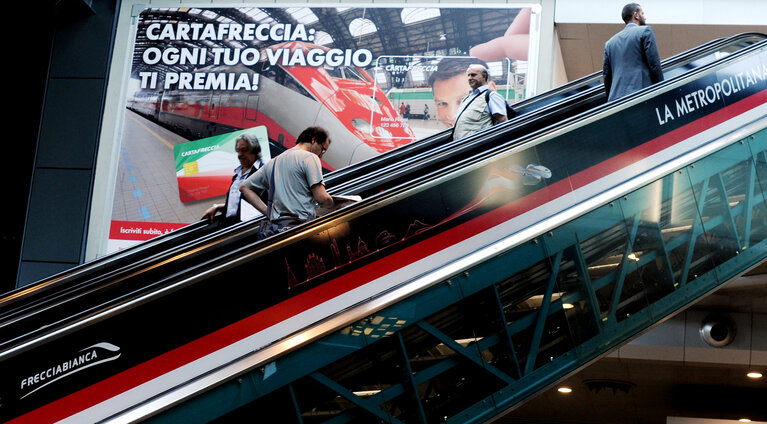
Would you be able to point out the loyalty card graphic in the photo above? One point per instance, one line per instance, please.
(204, 168)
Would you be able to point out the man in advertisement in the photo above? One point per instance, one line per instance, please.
(449, 86)
(631, 60)
(477, 110)
(284, 69)
(249, 154)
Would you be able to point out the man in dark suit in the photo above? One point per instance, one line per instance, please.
(631, 56)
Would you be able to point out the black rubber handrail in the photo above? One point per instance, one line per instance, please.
(234, 236)
(344, 177)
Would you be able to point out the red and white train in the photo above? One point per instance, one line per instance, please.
(342, 99)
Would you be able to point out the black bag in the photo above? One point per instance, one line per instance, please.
(510, 112)
(269, 228)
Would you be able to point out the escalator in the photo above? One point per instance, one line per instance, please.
(381, 172)
(528, 217)
(489, 336)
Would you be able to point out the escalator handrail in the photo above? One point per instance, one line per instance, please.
(478, 137)
(443, 148)
(406, 289)
(405, 153)
(457, 146)
(362, 168)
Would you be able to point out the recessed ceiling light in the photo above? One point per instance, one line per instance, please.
(744, 420)
(564, 389)
(754, 374)
(367, 393)
(567, 306)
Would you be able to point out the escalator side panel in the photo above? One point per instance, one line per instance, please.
(544, 324)
(271, 294)
(76, 280)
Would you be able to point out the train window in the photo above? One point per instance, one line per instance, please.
(226, 100)
(215, 100)
(236, 100)
(334, 72)
(251, 111)
(282, 77)
(170, 102)
(353, 73)
(198, 101)
(347, 72)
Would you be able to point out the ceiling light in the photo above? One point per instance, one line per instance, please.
(564, 389)
(744, 420)
(411, 15)
(754, 374)
(367, 393)
(360, 26)
(567, 306)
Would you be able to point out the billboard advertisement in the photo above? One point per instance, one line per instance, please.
(374, 77)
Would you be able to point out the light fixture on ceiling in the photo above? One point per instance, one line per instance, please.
(564, 390)
(744, 420)
(367, 393)
(751, 372)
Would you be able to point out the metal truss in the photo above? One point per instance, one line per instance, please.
(479, 343)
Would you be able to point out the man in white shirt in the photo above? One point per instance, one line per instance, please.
(478, 110)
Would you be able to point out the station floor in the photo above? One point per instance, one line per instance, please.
(146, 188)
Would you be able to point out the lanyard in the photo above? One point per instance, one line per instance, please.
(467, 106)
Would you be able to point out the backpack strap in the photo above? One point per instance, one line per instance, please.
(270, 201)
(510, 112)
(464, 108)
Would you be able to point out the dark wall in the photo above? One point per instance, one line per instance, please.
(65, 74)
(19, 151)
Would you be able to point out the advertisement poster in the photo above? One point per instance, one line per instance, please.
(374, 77)
(204, 167)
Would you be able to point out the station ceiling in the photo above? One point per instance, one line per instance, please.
(457, 28)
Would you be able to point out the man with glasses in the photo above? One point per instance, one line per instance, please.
(295, 178)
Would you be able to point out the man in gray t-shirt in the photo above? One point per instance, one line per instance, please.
(298, 179)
